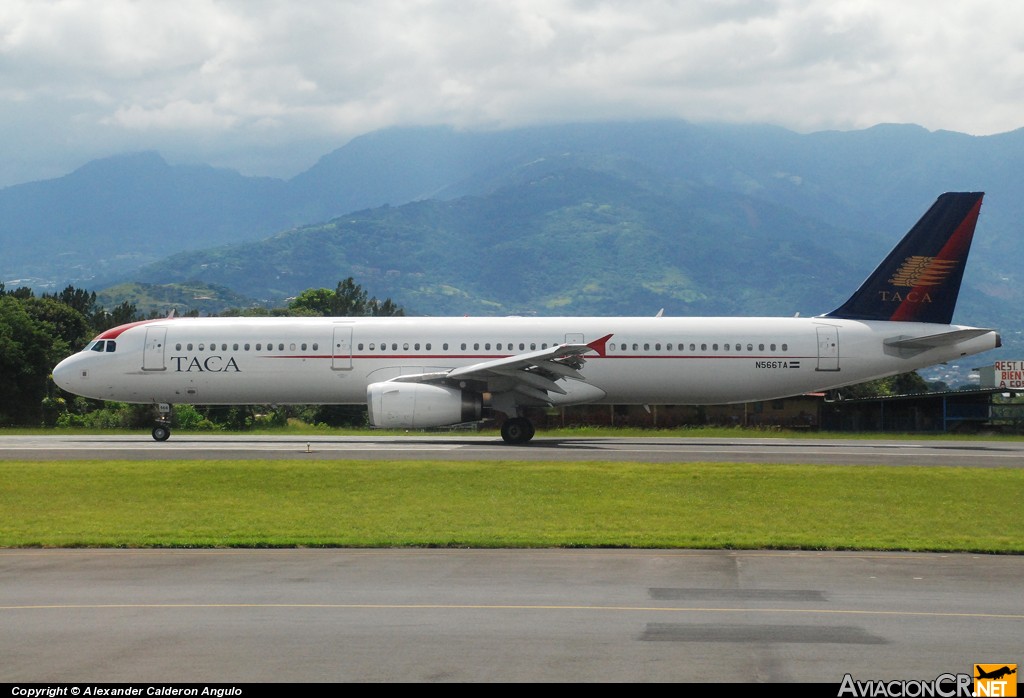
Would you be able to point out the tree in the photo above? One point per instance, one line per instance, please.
(60, 320)
(100, 318)
(79, 299)
(348, 299)
(313, 301)
(902, 384)
(30, 346)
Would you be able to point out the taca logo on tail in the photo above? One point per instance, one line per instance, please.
(920, 279)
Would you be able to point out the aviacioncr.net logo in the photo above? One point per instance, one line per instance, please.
(995, 680)
(943, 686)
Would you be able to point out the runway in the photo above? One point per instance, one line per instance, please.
(502, 615)
(386, 615)
(978, 454)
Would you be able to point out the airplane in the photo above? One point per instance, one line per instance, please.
(421, 372)
(995, 674)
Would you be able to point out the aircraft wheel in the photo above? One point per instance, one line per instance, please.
(517, 431)
(161, 433)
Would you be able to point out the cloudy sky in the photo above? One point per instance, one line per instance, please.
(267, 86)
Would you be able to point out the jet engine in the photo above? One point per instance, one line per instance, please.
(415, 405)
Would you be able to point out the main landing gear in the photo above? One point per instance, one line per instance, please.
(518, 430)
(162, 430)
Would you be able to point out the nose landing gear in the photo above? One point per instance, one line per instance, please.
(162, 430)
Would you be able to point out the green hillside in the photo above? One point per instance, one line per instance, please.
(183, 298)
(569, 242)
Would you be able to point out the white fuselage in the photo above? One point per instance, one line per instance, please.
(658, 360)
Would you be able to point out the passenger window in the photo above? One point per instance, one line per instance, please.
(533, 345)
(445, 346)
(177, 347)
(316, 346)
(304, 346)
(772, 346)
(463, 346)
(785, 347)
(703, 347)
(428, 346)
(247, 346)
(394, 346)
(416, 346)
(201, 347)
(291, 347)
(405, 347)
(280, 347)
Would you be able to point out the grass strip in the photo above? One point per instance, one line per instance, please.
(509, 504)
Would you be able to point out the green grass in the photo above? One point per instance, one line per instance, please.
(482, 504)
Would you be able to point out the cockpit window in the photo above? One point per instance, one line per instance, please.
(101, 345)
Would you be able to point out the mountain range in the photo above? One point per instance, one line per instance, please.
(605, 218)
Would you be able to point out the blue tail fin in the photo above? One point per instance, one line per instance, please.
(920, 279)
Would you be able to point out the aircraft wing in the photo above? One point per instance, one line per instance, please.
(534, 374)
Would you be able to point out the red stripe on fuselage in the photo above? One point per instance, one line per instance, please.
(115, 332)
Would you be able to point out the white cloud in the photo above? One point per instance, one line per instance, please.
(233, 82)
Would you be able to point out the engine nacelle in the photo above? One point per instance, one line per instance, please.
(416, 405)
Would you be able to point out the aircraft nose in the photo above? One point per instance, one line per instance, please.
(65, 373)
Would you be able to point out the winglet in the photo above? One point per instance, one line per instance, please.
(920, 279)
(600, 345)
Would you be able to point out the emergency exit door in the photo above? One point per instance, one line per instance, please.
(828, 348)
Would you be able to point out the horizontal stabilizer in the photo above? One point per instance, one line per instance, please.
(932, 341)
(907, 347)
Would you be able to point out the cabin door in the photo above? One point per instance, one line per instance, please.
(828, 348)
(341, 348)
(153, 352)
